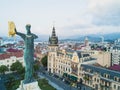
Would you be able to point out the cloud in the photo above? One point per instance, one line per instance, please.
(105, 12)
(107, 20)
(76, 27)
(99, 16)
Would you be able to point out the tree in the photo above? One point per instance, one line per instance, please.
(44, 61)
(36, 67)
(3, 69)
(11, 78)
(17, 66)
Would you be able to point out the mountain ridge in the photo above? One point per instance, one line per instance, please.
(91, 37)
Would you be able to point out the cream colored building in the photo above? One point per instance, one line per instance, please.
(100, 78)
(62, 62)
(8, 59)
(82, 65)
(103, 58)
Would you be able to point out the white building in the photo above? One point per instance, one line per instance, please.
(9, 58)
(115, 55)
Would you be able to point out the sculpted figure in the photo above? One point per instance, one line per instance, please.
(28, 53)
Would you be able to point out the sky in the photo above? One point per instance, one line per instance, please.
(70, 17)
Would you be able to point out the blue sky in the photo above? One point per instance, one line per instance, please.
(70, 17)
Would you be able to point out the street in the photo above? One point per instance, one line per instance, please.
(57, 83)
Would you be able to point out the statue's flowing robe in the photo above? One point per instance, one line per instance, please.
(28, 55)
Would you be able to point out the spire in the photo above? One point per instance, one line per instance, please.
(53, 40)
(53, 32)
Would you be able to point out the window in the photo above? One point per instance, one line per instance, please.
(59, 71)
(108, 76)
(66, 69)
(114, 86)
(94, 79)
(98, 80)
(105, 75)
(115, 78)
(118, 87)
(7, 65)
(69, 70)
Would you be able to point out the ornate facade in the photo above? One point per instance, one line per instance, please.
(80, 65)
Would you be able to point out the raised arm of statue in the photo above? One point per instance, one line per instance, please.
(20, 34)
(35, 36)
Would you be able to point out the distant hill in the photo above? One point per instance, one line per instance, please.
(96, 37)
(18, 38)
(112, 36)
(92, 37)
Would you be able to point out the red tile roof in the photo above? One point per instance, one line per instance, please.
(17, 53)
(115, 67)
(12, 50)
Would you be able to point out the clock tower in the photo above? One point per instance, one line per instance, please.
(52, 52)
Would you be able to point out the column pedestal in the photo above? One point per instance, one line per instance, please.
(29, 86)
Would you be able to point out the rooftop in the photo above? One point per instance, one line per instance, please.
(101, 71)
(18, 53)
(115, 67)
(12, 50)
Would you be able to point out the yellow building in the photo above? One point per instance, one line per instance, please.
(62, 62)
(87, 66)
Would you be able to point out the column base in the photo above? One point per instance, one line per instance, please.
(29, 86)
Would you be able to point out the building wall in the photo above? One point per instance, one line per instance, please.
(52, 65)
(115, 57)
(103, 58)
(9, 61)
(59, 63)
(115, 85)
(99, 82)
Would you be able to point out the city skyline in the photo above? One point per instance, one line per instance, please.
(69, 17)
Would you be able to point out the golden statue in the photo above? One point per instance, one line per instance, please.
(11, 28)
